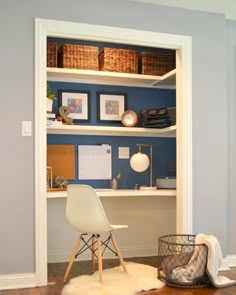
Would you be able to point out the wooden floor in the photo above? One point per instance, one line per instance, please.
(56, 272)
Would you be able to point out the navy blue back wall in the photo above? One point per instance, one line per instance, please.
(164, 150)
(164, 157)
(137, 98)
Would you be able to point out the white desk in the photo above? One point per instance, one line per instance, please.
(119, 193)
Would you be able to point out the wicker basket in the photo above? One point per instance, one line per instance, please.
(118, 60)
(78, 57)
(52, 55)
(157, 64)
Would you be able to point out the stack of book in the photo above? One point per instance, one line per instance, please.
(51, 119)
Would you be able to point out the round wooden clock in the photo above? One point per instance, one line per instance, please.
(129, 118)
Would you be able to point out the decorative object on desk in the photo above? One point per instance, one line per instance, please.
(111, 106)
(60, 182)
(129, 118)
(166, 182)
(136, 186)
(64, 115)
(50, 98)
(147, 188)
(115, 181)
(140, 162)
(77, 102)
(140, 277)
(49, 177)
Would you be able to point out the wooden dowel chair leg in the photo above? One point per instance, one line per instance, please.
(119, 254)
(99, 259)
(72, 258)
(93, 255)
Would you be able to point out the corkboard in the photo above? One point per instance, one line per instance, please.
(62, 160)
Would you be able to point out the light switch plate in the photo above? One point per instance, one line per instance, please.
(26, 128)
(123, 152)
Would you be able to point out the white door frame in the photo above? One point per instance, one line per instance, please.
(183, 45)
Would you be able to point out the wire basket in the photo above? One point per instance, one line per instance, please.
(183, 263)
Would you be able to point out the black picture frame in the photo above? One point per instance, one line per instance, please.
(110, 106)
(78, 102)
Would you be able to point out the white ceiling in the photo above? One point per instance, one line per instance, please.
(226, 7)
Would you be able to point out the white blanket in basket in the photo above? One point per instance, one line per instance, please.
(194, 267)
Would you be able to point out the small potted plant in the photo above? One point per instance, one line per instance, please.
(50, 97)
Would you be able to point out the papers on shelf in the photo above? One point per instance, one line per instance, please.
(51, 115)
(54, 122)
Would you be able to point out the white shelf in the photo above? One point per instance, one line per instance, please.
(111, 78)
(167, 81)
(112, 131)
(120, 193)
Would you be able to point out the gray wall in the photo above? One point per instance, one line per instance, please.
(210, 119)
(231, 94)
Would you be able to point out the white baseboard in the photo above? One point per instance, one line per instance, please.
(56, 257)
(224, 266)
(228, 261)
(17, 281)
(231, 259)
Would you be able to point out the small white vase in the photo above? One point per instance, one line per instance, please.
(49, 105)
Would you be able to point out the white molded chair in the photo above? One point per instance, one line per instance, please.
(84, 211)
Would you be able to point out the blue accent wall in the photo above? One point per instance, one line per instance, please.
(164, 157)
(138, 98)
(164, 150)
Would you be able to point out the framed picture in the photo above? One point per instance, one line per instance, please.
(110, 106)
(78, 103)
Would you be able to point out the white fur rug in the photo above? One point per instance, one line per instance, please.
(116, 281)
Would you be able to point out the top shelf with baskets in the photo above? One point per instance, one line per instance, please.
(166, 81)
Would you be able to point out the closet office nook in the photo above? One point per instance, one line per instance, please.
(122, 73)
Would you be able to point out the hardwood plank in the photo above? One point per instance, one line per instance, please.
(56, 272)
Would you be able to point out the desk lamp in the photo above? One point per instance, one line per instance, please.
(140, 162)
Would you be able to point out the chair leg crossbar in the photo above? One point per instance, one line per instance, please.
(88, 244)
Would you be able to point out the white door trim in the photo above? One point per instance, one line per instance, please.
(45, 28)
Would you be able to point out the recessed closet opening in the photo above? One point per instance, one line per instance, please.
(172, 156)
